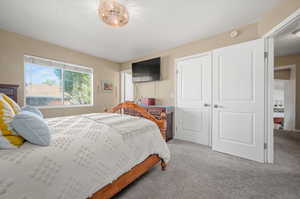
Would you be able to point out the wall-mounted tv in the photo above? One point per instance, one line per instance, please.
(146, 71)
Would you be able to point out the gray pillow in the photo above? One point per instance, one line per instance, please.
(32, 128)
(33, 110)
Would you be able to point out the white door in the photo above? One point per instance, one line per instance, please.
(238, 100)
(193, 110)
(127, 86)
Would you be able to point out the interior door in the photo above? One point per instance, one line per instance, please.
(128, 83)
(238, 100)
(193, 110)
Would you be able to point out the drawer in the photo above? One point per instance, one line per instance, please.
(156, 111)
(7, 91)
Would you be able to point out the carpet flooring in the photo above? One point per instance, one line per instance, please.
(196, 172)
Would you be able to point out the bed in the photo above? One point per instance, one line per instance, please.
(90, 156)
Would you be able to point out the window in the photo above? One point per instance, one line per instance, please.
(51, 83)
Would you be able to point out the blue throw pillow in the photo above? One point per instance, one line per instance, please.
(32, 128)
(33, 110)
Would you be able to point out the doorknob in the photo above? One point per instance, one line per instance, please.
(206, 105)
(218, 106)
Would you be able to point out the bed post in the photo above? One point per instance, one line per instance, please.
(163, 165)
(163, 126)
(163, 129)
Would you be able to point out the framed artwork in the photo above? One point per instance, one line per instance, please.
(107, 86)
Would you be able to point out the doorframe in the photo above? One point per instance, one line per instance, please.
(122, 85)
(269, 39)
(177, 60)
(293, 74)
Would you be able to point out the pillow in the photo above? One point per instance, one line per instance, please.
(32, 128)
(8, 138)
(12, 103)
(33, 110)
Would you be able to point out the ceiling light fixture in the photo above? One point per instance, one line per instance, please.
(113, 13)
(297, 32)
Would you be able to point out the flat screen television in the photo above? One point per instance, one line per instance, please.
(146, 71)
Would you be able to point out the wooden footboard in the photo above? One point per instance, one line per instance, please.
(162, 123)
(116, 186)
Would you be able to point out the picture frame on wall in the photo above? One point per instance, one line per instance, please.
(107, 86)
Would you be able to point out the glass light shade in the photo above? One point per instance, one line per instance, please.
(113, 13)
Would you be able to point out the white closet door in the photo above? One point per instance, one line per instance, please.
(238, 98)
(193, 110)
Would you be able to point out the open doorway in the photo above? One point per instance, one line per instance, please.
(127, 87)
(286, 94)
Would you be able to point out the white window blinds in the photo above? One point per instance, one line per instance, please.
(56, 64)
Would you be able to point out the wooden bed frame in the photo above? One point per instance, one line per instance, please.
(116, 186)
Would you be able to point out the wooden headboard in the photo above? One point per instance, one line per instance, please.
(10, 90)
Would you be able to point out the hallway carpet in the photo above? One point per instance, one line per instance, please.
(196, 172)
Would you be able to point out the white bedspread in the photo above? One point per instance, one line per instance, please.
(86, 153)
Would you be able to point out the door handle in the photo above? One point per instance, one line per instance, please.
(218, 106)
(206, 105)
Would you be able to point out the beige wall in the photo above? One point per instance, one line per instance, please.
(14, 46)
(164, 90)
(282, 74)
(291, 60)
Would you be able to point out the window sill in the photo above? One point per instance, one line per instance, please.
(64, 106)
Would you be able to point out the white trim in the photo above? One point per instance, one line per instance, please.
(210, 144)
(64, 106)
(92, 85)
(285, 67)
(281, 26)
(270, 77)
(60, 62)
(192, 56)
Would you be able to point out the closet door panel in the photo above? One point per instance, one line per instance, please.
(238, 98)
(193, 110)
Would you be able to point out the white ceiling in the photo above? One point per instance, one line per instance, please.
(287, 43)
(154, 25)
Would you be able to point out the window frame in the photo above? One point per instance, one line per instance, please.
(62, 80)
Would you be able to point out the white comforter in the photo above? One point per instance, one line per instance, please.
(86, 153)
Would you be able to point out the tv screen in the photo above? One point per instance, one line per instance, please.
(146, 71)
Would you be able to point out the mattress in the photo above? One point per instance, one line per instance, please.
(86, 153)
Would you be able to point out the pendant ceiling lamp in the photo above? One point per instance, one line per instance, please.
(113, 13)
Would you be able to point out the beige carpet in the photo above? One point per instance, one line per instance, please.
(196, 172)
